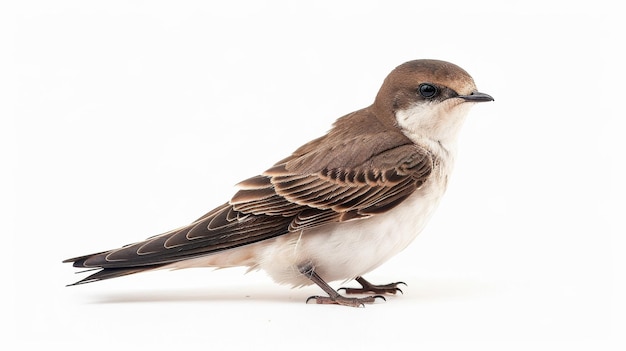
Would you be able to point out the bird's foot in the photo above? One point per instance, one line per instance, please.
(345, 301)
(367, 287)
(334, 298)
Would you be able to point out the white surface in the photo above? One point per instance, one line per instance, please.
(125, 119)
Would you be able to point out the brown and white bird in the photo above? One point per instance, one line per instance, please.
(340, 205)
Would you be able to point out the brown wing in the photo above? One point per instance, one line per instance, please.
(328, 180)
(313, 189)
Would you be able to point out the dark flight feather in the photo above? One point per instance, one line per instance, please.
(342, 176)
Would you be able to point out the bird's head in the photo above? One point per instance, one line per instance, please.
(427, 99)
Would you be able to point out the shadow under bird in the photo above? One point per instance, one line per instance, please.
(338, 206)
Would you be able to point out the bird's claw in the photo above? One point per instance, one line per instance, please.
(346, 301)
(376, 289)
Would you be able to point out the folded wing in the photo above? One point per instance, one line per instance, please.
(321, 183)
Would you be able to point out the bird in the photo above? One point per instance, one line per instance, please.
(337, 207)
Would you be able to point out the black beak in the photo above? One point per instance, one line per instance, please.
(477, 97)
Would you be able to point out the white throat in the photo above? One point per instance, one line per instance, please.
(434, 123)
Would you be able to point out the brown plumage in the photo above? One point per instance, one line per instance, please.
(338, 206)
(330, 179)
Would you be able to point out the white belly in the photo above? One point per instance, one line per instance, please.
(344, 251)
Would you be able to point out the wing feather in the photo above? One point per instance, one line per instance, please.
(333, 179)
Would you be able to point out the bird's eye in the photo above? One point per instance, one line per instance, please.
(427, 91)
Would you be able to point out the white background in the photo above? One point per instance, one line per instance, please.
(123, 119)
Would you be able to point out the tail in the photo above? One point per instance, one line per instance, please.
(223, 228)
(104, 273)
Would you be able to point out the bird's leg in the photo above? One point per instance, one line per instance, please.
(333, 296)
(367, 287)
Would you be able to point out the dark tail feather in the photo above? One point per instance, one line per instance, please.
(108, 273)
(104, 273)
(80, 261)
